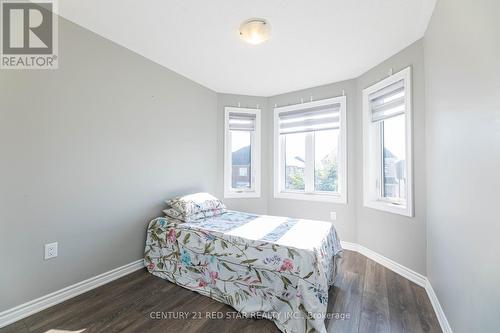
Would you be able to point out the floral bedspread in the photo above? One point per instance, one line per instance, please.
(275, 267)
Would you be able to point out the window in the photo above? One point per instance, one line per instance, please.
(387, 145)
(310, 151)
(241, 153)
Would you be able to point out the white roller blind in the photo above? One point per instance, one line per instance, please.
(241, 121)
(310, 119)
(388, 102)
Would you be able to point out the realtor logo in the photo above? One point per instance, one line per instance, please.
(29, 34)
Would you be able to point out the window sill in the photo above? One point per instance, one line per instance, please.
(331, 198)
(385, 206)
(242, 194)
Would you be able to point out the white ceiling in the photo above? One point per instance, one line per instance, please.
(312, 42)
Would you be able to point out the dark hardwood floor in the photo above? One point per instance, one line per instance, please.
(370, 298)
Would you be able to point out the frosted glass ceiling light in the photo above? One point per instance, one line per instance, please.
(255, 31)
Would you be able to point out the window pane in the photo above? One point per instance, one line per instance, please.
(295, 157)
(241, 159)
(326, 160)
(394, 155)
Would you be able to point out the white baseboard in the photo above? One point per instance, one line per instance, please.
(445, 325)
(405, 272)
(24, 310)
(386, 262)
(349, 246)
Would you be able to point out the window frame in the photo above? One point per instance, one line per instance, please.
(279, 158)
(372, 150)
(255, 140)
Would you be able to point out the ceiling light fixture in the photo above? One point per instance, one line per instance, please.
(255, 31)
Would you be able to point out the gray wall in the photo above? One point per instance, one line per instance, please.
(462, 69)
(397, 237)
(88, 152)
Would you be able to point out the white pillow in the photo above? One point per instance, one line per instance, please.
(175, 214)
(195, 203)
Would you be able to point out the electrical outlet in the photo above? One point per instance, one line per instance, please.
(50, 251)
(333, 216)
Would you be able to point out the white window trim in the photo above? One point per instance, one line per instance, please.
(370, 196)
(254, 191)
(341, 196)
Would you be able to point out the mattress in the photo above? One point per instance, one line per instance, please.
(267, 266)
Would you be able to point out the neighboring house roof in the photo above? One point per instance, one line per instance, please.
(388, 153)
(241, 156)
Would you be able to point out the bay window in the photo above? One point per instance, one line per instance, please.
(241, 153)
(310, 151)
(387, 145)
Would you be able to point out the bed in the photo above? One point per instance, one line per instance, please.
(272, 267)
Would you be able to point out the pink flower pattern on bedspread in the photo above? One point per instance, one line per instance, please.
(284, 283)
